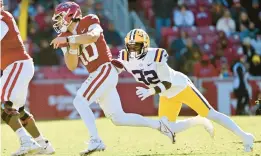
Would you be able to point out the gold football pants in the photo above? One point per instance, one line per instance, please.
(170, 107)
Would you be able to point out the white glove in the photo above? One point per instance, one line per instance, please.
(143, 93)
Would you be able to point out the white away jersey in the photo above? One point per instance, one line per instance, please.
(153, 69)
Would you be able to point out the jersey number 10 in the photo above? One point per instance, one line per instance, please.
(89, 53)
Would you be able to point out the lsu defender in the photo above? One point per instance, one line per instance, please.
(149, 66)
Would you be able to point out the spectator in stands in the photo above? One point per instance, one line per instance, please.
(244, 19)
(112, 36)
(226, 24)
(258, 23)
(203, 17)
(191, 54)
(218, 59)
(183, 17)
(204, 68)
(40, 17)
(99, 11)
(252, 58)
(162, 10)
(255, 65)
(217, 12)
(224, 70)
(223, 2)
(222, 42)
(248, 32)
(178, 44)
(240, 86)
(253, 13)
(256, 43)
(236, 10)
(88, 7)
(46, 55)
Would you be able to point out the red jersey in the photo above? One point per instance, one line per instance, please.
(95, 54)
(12, 47)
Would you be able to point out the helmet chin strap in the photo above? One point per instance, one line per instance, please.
(65, 27)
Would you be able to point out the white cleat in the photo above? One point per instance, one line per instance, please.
(166, 130)
(46, 147)
(248, 142)
(93, 146)
(28, 146)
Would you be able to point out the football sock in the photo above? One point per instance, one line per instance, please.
(87, 116)
(39, 138)
(21, 132)
(130, 119)
(32, 129)
(226, 122)
(181, 125)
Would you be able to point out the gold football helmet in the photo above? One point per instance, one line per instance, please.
(137, 42)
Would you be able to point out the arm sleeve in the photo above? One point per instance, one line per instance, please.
(164, 72)
(95, 26)
(4, 29)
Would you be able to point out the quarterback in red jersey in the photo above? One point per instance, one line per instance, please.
(18, 71)
(82, 40)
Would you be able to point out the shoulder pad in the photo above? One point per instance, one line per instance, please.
(161, 55)
(91, 18)
(124, 55)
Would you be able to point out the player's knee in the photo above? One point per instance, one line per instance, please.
(8, 113)
(25, 116)
(117, 119)
(7, 107)
(213, 114)
(79, 100)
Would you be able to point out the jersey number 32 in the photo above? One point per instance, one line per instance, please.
(147, 77)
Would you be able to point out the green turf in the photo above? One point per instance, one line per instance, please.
(68, 138)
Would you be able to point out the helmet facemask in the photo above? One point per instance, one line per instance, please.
(135, 50)
(60, 25)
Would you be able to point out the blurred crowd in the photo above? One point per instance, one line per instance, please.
(205, 38)
(41, 32)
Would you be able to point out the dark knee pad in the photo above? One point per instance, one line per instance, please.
(5, 117)
(7, 108)
(25, 116)
(8, 113)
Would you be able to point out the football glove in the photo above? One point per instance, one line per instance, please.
(143, 93)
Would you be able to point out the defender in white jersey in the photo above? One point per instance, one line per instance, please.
(149, 66)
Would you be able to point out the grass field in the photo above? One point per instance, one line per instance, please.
(68, 138)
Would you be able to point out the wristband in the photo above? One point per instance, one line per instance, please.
(72, 39)
(162, 87)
